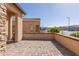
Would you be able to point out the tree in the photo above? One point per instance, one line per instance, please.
(55, 30)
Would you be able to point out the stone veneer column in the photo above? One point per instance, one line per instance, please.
(3, 19)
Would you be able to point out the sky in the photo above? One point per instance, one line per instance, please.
(53, 14)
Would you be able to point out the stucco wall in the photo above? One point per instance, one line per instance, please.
(38, 36)
(72, 43)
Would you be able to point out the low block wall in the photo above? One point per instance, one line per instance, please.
(72, 43)
(38, 36)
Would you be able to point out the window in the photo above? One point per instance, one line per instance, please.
(37, 28)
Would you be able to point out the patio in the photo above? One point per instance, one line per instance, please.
(37, 48)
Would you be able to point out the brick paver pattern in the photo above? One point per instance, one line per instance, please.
(36, 48)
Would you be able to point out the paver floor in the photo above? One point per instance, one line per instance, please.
(36, 48)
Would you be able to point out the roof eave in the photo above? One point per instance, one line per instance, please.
(20, 8)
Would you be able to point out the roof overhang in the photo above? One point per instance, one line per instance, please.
(20, 8)
(15, 8)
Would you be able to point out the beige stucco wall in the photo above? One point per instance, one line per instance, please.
(71, 43)
(38, 36)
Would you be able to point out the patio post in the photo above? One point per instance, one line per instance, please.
(18, 28)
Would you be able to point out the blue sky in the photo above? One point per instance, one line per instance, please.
(53, 14)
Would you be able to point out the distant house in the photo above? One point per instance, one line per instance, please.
(31, 25)
(70, 28)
